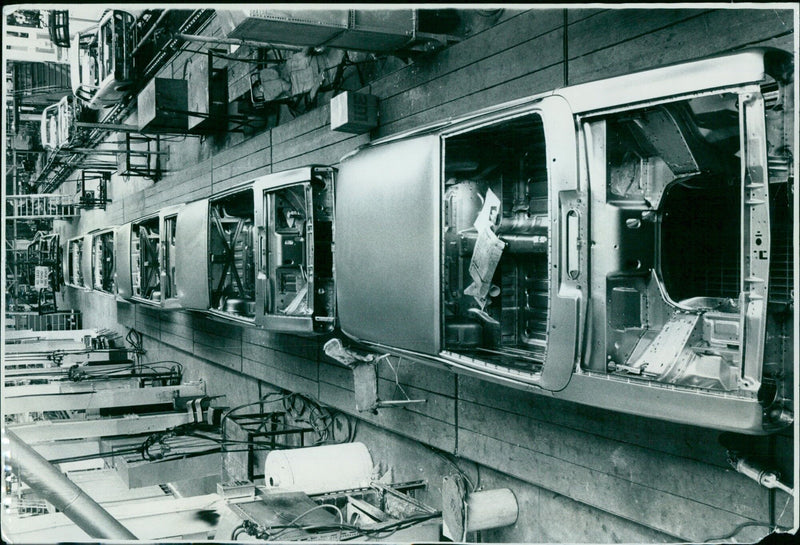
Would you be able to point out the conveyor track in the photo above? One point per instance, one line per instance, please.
(57, 171)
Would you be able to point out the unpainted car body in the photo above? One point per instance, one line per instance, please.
(56, 123)
(101, 65)
(77, 262)
(261, 253)
(624, 243)
(103, 262)
(146, 259)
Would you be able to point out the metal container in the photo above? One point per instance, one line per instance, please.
(317, 470)
(163, 104)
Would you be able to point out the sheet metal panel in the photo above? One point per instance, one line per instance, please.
(387, 244)
(723, 71)
(122, 254)
(191, 255)
(86, 262)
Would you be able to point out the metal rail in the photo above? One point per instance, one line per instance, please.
(40, 206)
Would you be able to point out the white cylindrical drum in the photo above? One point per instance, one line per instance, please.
(316, 470)
(491, 509)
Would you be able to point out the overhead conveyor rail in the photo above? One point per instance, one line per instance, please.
(60, 167)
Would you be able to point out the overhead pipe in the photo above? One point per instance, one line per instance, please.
(149, 32)
(234, 41)
(35, 471)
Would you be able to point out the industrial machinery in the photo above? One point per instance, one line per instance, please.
(325, 493)
(624, 243)
(101, 66)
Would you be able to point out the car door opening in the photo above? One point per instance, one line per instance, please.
(496, 239)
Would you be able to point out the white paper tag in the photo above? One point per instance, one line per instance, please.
(485, 258)
(488, 214)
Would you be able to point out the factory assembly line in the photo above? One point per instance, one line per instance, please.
(548, 244)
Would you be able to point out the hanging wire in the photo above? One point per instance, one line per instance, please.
(455, 466)
(322, 420)
(136, 340)
(783, 511)
(744, 525)
(396, 377)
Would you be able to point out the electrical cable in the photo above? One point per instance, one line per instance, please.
(455, 466)
(173, 375)
(331, 507)
(80, 458)
(237, 532)
(136, 340)
(379, 533)
(744, 525)
(788, 501)
(396, 377)
(320, 418)
(263, 399)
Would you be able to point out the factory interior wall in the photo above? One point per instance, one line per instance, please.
(580, 473)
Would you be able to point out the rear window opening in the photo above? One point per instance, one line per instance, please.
(682, 159)
(145, 266)
(495, 279)
(103, 262)
(231, 256)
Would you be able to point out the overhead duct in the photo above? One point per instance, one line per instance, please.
(372, 30)
(35, 471)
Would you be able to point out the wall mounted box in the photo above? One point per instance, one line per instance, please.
(354, 112)
(207, 95)
(163, 104)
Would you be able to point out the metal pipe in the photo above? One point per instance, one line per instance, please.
(117, 127)
(33, 469)
(234, 41)
(149, 32)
